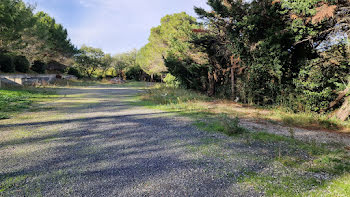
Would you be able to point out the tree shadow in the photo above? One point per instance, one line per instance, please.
(137, 154)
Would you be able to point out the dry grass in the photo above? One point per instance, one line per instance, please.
(181, 100)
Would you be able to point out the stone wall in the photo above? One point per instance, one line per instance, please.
(32, 80)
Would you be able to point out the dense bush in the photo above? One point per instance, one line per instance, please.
(6, 63)
(287, 53)
(39, 67)
(73, 71)
(21, 64)
(134, 73)
(171, 80)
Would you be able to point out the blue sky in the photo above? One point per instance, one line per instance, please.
(114, 25)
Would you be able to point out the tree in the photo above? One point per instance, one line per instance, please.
(150, 60)
(123, 62)
(39, 67)
(88, 60)
(21, 64)
(173, 29)
(57, 43)
(265, 52)
(35, 36)
(15, 18)
(106, 63)
(6, 63)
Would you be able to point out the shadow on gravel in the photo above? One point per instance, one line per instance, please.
(110, 118)
(129, 153)
(107, 156)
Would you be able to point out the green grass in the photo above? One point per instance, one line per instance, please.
(190, 102)
(295, 156)
(339, 187)
(19, 99)
(289, 185)
(7, 183)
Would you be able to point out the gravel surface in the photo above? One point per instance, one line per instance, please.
(93, 143)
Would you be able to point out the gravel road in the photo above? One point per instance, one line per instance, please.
(92, 142)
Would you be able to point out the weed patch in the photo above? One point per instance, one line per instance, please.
(16, 100)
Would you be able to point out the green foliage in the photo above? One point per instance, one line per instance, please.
(88, 60)
(321, 78)
(134, 73)
(15, 18)
(56, 36)
(36, 36)
(125, 62)
(260, 52)
(73, 71)
(39, 67)
(231, 126)
(174, 29)
(21, 64)
(6, 63)
(171, 80)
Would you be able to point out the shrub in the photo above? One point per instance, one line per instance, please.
(73, 71)
(6, 63)
(134, 73)
(171, 80)
(56, 67)
(21, 64)
(231, 126)
(39, 67)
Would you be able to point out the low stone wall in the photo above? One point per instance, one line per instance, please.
(32, 80)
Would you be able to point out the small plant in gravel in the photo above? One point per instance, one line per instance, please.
(292, 132)
(231, 126)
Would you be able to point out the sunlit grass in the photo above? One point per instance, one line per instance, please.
(187, 101)
(298, 160)
(18, 99)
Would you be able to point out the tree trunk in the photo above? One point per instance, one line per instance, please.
(211, 88)
(339, 98)
(233, 93)
(343, 112)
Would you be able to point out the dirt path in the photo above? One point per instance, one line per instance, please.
(93, 143)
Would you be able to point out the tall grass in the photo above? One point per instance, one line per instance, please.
(187, 101)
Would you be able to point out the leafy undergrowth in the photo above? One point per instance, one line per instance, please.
(19, 99)
(187, 101)
(296, 168)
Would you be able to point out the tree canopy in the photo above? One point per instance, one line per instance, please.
(89, 59)
(173, 28)
(281, 52)
(36, 36)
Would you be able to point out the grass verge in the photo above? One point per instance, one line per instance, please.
(304, 168)
(182, 100)
(13, 100)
